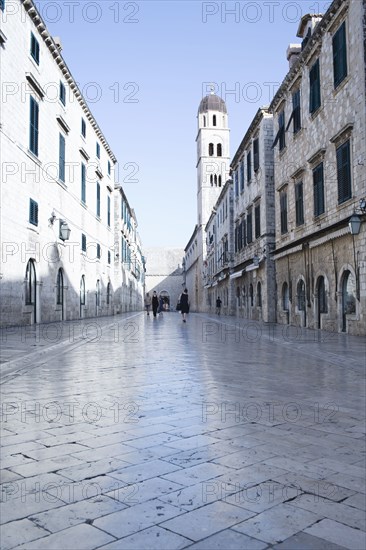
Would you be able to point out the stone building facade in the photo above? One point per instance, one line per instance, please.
(129, 265)
(219, 255)
(319, 121)
(253, 273)
(213, 160)
(58, 190)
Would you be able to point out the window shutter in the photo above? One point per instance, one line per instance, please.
(33, 136)
(256, 154)
(344, 172)
(33, 212)
(339, 55)
(61, 171)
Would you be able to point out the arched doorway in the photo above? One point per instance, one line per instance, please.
(31, 289)
(301, 303)
(348, 297)
(60, 291)
(286, 301)
(321, 300)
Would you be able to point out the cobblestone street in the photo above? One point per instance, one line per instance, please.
(142, 433)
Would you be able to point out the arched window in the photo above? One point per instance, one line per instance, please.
(259, 294)
(238, 295)
(215, 179)
(60, 287)
(244, 292)
(82, 291)
(251, 295)
(108, 294)
(285, 297)
(97, 293)
(219, 150)
(204, 120)
(210, 149)
(211, 180)
(220, 181)
(301, 295)
(214, 120)
(31, 280)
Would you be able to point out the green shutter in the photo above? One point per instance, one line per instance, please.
(339, 55)
(61, 161)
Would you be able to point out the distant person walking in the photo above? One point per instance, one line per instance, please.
(184, 304)
(218, 305)
(155, 303)
(148, 303)
(161, 305)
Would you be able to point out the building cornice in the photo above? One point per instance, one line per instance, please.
(245, 141)
(307, 52)
(33, 13)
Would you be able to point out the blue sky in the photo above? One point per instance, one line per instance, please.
(143, 67)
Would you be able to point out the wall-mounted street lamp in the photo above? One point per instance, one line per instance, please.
(354, 222)
(64, 229)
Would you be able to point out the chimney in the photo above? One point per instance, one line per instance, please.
(57, 41)
(307, 25)
(292, 53)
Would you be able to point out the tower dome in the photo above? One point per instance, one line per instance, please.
(212, 102)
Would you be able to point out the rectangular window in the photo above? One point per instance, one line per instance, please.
(299, 203)
(257, 221)
(318, 184)
(109, 256)
(281, 129)
(98, 251)
(109, 211)
(236, 183)
(314, 83)
(33, 126)
(109, 168)
(83, 242)
(339, 55)
(296, 111)
(244, 231)
(249, 227)
(98, 150)
(83, 128)
(61, 159)
(344, 172)
(249, 166)
(33, 212)
(83, 183)
(256, 154)
(2, 5)
(242, 176)
(280, 136)
(34, 49)
(283, 209)
(62, 93)
(98, 199)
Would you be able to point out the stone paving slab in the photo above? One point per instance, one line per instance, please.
(277, 524)
(221, 443)
(208, 519)
(229, 540)
(338, 533)
(18, 532)
(150, 539)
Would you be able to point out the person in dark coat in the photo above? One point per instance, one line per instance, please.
(184, 303)
(155, 303)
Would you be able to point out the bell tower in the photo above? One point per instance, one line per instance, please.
(213, 154)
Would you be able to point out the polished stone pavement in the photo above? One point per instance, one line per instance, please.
(141, 433)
